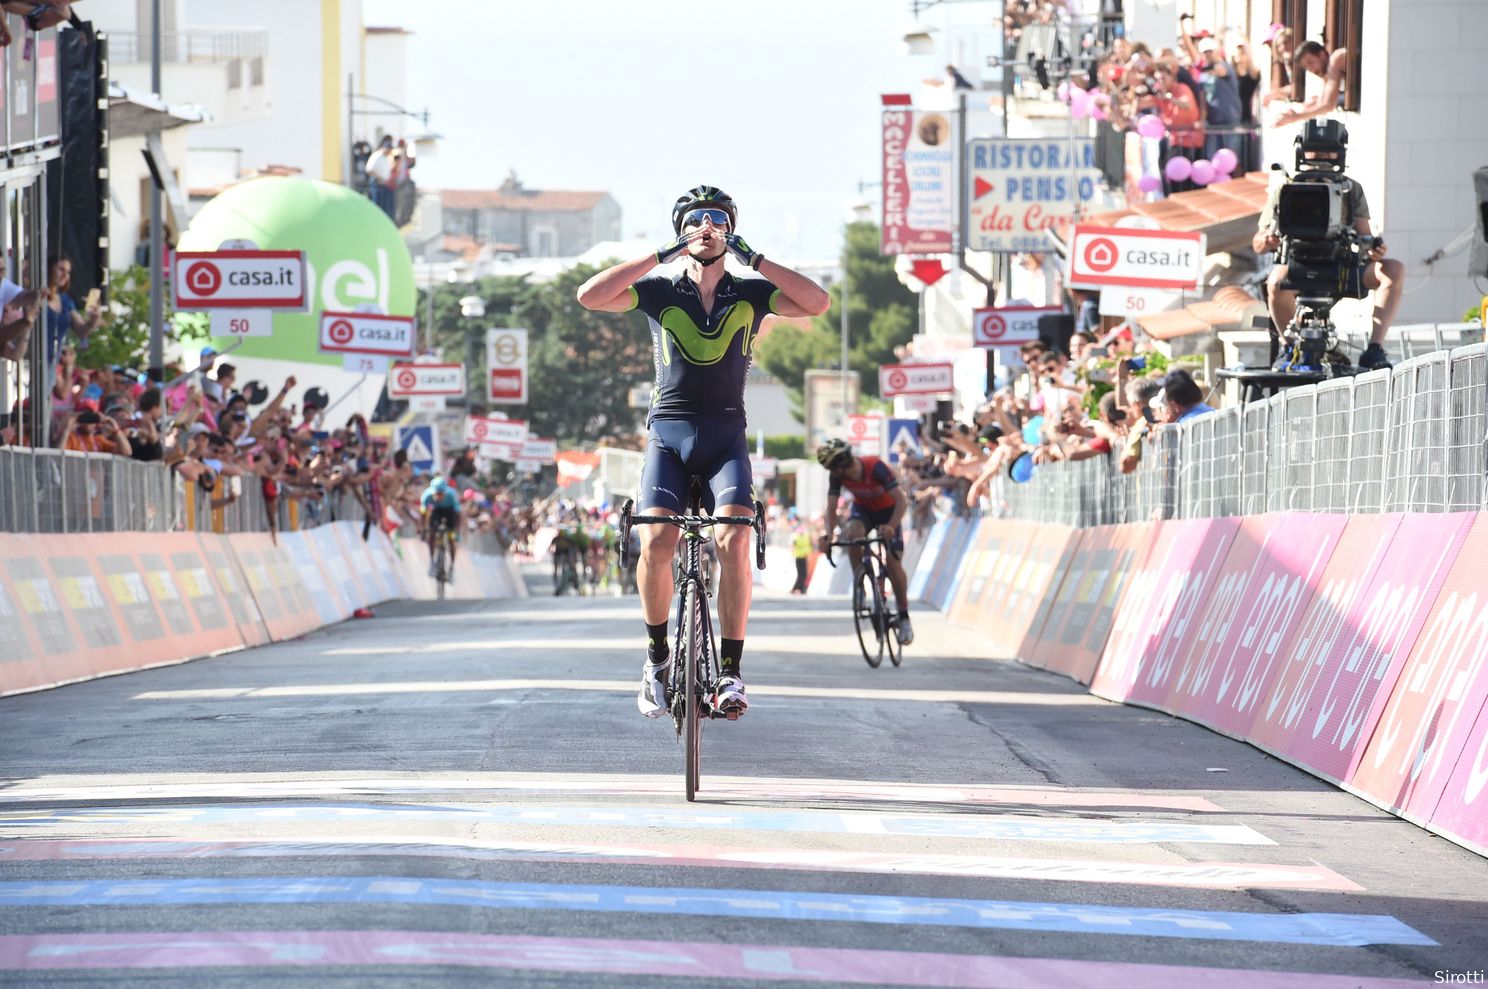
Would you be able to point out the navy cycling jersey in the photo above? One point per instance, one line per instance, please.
(702, 358)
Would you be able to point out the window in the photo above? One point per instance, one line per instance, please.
(1343, 27)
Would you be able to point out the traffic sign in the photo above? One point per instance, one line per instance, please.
(1013, 325)
(915, 379)
(242, 323)
(904, 434)
(239, 280)
(506, 366)
(366, 333)
(426, 380)
(422, 444)
(1134, 258)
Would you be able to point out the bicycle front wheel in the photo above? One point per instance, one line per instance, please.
(866, 612)
(888, 622)
(693, 631)
(441, 574)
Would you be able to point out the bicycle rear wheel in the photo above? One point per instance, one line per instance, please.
(865, 612)
(693, 631)
(441, 573)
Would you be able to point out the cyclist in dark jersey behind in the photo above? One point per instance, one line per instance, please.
(877, 503)
(703, 325)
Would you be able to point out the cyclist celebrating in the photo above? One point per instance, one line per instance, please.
(877, 503)
(441, 503)
(703, 325)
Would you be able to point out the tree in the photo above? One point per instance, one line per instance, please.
(123, 337)
(881, 316)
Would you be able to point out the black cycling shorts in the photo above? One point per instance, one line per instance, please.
(871, 518)
(678, 450)
(450, 517)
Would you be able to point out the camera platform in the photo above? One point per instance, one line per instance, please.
(1257, 383)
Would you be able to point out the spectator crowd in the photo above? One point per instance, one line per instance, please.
(1100, 400)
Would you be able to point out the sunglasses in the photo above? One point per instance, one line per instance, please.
(695, 217)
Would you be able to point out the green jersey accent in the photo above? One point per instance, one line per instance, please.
(699, 346)
(702, 358)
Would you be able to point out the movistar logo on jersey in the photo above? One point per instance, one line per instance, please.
(699, 346)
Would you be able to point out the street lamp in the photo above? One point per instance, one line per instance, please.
(472, 307)
(858, 212)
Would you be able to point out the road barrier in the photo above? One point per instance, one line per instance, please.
(77, 606)
(1354, 647)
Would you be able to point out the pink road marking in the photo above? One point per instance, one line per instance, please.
(710, 962)
(1189, 875)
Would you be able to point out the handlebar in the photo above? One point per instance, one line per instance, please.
(756, 522)
(865, 541)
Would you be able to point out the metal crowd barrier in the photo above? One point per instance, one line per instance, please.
(1411, 439)
(68, 491)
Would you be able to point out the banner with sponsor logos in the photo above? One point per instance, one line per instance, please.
(1009, 325)
(506, 366)
(1126, 256)
(1017, 188)
(920, 151)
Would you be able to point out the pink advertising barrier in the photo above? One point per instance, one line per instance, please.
(1427, 758)
(1158, 606)
(1228, 665)
(1350, 647)
(1032, 579)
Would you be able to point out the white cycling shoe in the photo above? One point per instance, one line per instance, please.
(651, 701)
(905, 631)
(729, 696)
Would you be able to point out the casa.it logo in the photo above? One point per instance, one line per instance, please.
(203, 278)
(1101, 255)
(341, 332)
(407, 379)
(898, 380)
(994, 327)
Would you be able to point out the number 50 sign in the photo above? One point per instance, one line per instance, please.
(242, 323)
(1135, 301)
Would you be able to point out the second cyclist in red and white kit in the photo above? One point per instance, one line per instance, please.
(877, 503)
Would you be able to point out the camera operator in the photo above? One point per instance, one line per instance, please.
(1321, 149)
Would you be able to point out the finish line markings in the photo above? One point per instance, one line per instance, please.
(1335, 930)
(988, 827)
(1191, 875)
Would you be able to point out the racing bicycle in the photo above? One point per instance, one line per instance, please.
(444, 538)
(876, 622)
(695, 660)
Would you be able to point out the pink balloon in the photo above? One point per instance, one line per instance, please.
(1225, 161)
(1079, 103)
(1203, 171)
(1151, 126)
(1149, 183)
(1178, 169)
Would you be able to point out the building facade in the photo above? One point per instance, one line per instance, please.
(543, 223)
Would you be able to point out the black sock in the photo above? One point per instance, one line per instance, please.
(731, 651)
(656, 643)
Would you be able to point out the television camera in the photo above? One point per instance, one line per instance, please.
(1323, 252)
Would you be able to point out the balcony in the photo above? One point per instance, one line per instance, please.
(222, 70)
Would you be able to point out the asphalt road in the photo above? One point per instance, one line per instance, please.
(463, 793)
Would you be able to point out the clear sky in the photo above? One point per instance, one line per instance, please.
(775, 101)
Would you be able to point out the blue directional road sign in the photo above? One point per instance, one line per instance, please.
(903, 434)
(422, 444)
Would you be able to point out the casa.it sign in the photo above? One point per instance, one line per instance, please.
(915, 379)
(240, 280)
(1009, 325)
(424, 380)
(366, 333)
(1123, 256)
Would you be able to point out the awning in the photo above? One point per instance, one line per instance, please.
(134, 114)
(1232, 308)
(1226, 213)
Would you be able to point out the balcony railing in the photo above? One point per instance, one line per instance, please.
(192, 46)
